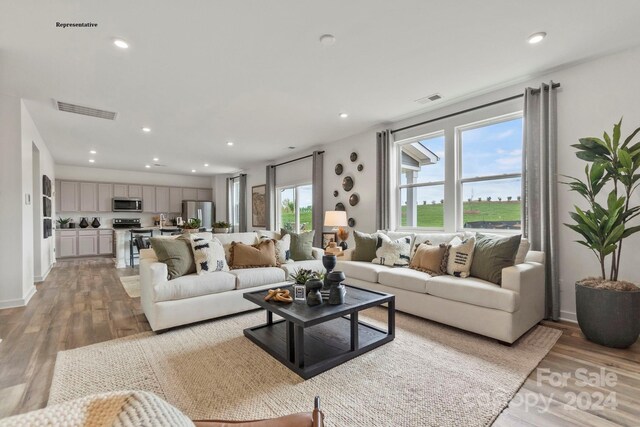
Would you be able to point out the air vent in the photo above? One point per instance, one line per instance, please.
(430, 98)
(85, 111)
(159, 165)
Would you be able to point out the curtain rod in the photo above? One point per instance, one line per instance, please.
(237, 176)
(295, 160)
(488, 104)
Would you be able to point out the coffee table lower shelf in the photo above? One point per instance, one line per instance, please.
(326, 345)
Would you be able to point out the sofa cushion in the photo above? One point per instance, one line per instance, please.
(433, 239)
(460, 257)
(361, 270)
(474, 291)
(250, 238)
(261, 254)
(523, 249)
(301, 244)
(208, 255)
(404, 278)
(283, 247)
(312, 264)
(366, 245)
(194, 285)
(493, 253)
(176, 254)
(393, 252)
(252, 277)
(431, 259)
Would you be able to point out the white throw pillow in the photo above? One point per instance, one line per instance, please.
(433, 239)
(208, 255)
(394, 253)
(460, 256)
(283, 248)
(523, 250)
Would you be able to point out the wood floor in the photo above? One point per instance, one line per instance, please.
(82, 302)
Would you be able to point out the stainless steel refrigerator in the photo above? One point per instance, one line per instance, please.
(204, 211)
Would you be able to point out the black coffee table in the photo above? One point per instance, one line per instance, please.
(311, 340)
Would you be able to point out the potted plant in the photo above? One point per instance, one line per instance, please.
(64, 222)
(307, 277)
(221, 227)
(192, 225)
(608, 308)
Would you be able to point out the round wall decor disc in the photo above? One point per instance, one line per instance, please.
(340, 207)
(351, 222)
(353, 156)
(354, 199)
(347, 183)
(339, 169)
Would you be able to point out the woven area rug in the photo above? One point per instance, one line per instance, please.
(131, 285)
(429, 375)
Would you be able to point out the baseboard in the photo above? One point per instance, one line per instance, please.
(568, 316)
(20, 302)
(42, 278)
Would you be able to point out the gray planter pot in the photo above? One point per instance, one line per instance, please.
(609, 318)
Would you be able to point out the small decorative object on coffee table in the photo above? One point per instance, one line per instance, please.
(337, 291)
(314, 297)
(329, 262)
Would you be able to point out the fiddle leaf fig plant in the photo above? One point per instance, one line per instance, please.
(612, 175)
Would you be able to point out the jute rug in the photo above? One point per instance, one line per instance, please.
(429, 375)
(131, 285)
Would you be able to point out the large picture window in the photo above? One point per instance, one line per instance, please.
(465, 175)
(295, 208)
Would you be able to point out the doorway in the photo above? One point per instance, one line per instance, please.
(36, 203)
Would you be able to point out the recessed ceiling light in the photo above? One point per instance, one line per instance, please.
(536, 38)
(145, 129)
(91, 161)
(147, 166)
(343, 115)
(193, 171)
(121, 43)
(92, 152)
(327, 39)
(291, 147)
(229, 143)
(206, 165)
(155, 159)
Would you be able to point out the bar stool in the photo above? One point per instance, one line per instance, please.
(140, 240)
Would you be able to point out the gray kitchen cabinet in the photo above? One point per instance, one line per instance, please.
(88, 197)
(204, 195)
(66, 244)
(148, 199)
(120, 190)
(68, 196)
(105, 194)
(189, 194)
(175, 200)
(162, 199)
(87, 242)
(135, 191)
(105, 242)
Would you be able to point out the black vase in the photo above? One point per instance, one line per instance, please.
(336, 291)
(95, 223)
(84, 223)
(329, 262)
(314, 297)
(312, 284)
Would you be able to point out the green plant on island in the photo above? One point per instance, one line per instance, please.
(192, 224)
(221, 224)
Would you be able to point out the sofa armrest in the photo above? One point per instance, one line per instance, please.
(534, 256)
(317, 253)
(524, 277)
(152, 273)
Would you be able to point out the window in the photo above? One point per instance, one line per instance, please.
(464, 174)
(491, 173)
(295, 208)
(422, 182)
(234, 204)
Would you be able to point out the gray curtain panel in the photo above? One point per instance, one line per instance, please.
(317, 197)
(270, 198)
(539, 186)
(242, 204)
(383, 155)
(229, 207)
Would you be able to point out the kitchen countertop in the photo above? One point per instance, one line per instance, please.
(88, 228)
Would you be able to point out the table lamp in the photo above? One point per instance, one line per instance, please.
(338, 219)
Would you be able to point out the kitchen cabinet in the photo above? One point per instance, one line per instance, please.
(87, 242)
(204, 195)
(189, 194)
(66, 244)
(148, 199)
(105, 242)
(162, 199)
(135, 191)
(88, 197)
(105, 194)
(68, 196)
(120, 190)
(175, 200)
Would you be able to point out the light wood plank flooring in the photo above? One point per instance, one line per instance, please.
(82, 302)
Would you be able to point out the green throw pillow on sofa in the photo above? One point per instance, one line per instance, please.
(491, 254)
(366, 245)
(301, 244)
(176, 253)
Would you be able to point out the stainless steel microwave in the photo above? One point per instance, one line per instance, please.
(126, 204)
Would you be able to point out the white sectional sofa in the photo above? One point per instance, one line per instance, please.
(501, 312)
(193, 298)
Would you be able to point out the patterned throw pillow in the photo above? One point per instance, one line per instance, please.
(283, 248)
(394, 253)
(460, 257)
(430, 259)
(208, 255)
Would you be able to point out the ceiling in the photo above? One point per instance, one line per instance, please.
(202, 73)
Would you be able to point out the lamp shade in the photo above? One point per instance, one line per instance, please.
(335, 219)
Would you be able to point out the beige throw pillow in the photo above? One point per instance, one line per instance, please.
(460, 257)
(262, 254)
(283, 248)
(430, 259)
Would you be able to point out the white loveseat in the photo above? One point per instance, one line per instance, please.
(501, 312)
(193, 298)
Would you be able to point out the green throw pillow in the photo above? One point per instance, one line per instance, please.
(176, 253)
(491, 254)
(366, 245)
(301, 244)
